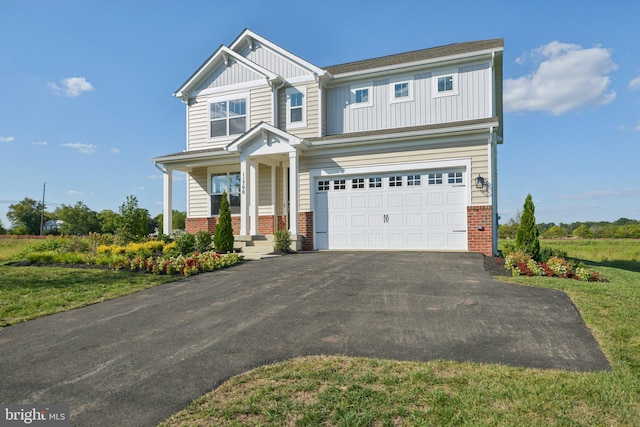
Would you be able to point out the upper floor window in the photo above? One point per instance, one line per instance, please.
(401, 90)
(227, 117)
(296, 107)
(445, 83)
(361, 95)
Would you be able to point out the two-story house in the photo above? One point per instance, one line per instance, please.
(395, 152)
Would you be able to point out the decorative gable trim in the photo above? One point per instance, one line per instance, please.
(222, 55)
(268, 135)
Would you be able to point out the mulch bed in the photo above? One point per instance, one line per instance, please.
(494, 265)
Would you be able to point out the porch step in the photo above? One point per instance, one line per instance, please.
(255, 244)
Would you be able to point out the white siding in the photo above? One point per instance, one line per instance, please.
(197, 116)
(473, 101)
(198, 196)
(272, 61)
(477, 153)
(224, 75)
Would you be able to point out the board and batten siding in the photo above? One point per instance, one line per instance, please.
(273, 61)
(475, 151)
(198, 197)
(225, 75)
(473, 101)
(311, 130)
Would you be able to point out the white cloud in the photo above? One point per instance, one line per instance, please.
(82, 148)
(601, 194)
(6, 139)
(40, 143)
(71, 86)
(75, 193)
(141, 187)
(114, 150)
(568, 77)
(635, 83)
(154, 176)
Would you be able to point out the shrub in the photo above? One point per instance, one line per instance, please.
(203, 241)
(282, 241)
(223, 238)
(185, 243)
(527, 234)
(547, 252)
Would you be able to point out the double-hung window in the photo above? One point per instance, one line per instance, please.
(296, 107)
(227, 117)
(229, 182)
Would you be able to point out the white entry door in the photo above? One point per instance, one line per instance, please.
(421, 210)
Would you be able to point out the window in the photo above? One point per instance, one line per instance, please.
(323, 185)
(375, 182)
(357, 183)
(445, 83)
(296, 107)
(401, 90)
(455, 178)
(227, 117)
(340, 184)
(435, 178)
(229, 182)
(413, 180)
(395, 181)
(361, 95)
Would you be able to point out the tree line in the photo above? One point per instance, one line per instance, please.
(623, 228)
(28, 215)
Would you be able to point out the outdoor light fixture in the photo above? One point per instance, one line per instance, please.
(480, 182)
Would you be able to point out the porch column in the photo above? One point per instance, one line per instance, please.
(167, 208)
(285, 194)
(244, 196)
(253, 186)
(293, 193)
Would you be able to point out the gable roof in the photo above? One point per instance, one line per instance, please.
(419, 56)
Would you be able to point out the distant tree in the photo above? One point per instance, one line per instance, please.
(77, 220)
(582, 232)
(25, 216)
(555, 232)
(178, 220)
(2, 229)
(223, 237)
(108, 221)
(131, 224)
(508, 230)
(527, 235)
(624, 221)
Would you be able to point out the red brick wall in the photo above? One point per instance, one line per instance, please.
(305, 228)
(193, 225)
(479, 224)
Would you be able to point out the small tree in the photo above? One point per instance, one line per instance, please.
(131, 225)
(527, 234)
(25, 216)
(223, 237)
(582, 232)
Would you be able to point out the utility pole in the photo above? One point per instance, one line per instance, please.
(42, 210)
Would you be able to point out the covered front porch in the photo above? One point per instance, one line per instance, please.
(258, 172)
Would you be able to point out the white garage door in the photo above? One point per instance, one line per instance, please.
(421, 210)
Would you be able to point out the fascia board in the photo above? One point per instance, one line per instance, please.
(281, 51)
(409, 66)
(207, 67)
(176, 159)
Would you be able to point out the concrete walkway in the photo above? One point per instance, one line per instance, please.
(136, 360)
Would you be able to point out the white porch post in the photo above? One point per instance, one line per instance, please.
(167, 208)
(293, 193)
(285, 194)
(244, 196)
(253, 186)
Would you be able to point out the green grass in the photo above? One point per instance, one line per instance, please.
(618, 253)
(340, 391)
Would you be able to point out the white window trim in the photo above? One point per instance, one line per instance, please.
(303, 91)
(354, 88)
(210, 101)
(392, 91)
(444, 73)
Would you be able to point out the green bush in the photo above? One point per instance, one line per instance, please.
(282, 241)
(223, 238)
(185, 243)
(547, 252)
(527, 234)
(203, 241)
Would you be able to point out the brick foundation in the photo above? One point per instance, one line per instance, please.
(305, 229)
(480, 226)
(193, 225)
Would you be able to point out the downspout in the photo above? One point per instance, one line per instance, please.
(493, 189)
(274, 106)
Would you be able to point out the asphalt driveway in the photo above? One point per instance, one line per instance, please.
(136, 360)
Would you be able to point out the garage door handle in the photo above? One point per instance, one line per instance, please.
(459, 231)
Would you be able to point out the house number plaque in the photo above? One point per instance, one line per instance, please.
(243, 184)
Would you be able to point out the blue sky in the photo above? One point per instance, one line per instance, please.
(85, 90)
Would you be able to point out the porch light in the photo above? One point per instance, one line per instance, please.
(480, 182)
